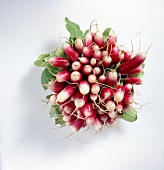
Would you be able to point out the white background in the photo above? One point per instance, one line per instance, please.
(28, 140)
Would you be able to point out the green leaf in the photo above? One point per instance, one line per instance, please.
(53, 70)
(130, 115)
(73, 28)
(40, 62)
(55, 111)
(60, 121)
(106, 32)
(85, 33)
(59, 52)
(143, 65)
(139, 75)
(45, 78)
(48, 96)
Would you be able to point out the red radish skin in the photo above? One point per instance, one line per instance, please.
(84, 87)
(79, 45)
(111, 42)
(66, 93)
(88, 109)
(87, 70)
(97, 124)
(99, 39)
(97, 71)
(80, 100)
(97, 55)
(119, 94)
(133, 80)
(76, 77)
(93, 62)
(99, 63)
(87, 52)
(111, 78)
(131, 64)
(137, 70)
(106, 93)
(72, 120)
(92, 78)
(63, 76)
(93, 97)
(76, 66)
(84, 60)
(116, 55)
(88, 40)
(119, 107)
(90, 120)
(69, 107)
(95, 47)
(77, 125)
(110, 105)
(53, 99)
(128, 99)
(104, 117)
(128, 88)
(102, 79)
(95, 88)
(113, 114)
(107, 60)
(55, 86)
(127, 56)
(70, 52)
(59, 62)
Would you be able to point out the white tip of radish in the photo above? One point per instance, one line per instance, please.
(84, 87)
(110, 105)
(112, 114)
(97, 124)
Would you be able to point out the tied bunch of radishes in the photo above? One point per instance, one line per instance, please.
(91, 78)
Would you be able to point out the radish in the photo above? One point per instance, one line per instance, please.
(127, 56)
(56, 86)
(106, 93)
(92, 78)
(95, 88)
(76, 66)
(59, 62)
(79, 45)
(76, 77)
(102, 79)
(53, 99)
(107, 60)
(69, 107)
(63, 76)
(90, 120)
(87, 52)
(84, 87)
(93, 97)
(97, 55)
(66, 93)
(111, 78)
(70, 52)
(137, 70)
(116, 55)
(84, 60)
(131, 64)
(95, 47)
(88, 40)
(110, 105)
(97, 71)
(97, 124)
(119, 107)
(99, 39)
(88, 109)
(133, 80)
(119, 94)
(127, 88)
(87, 70)
(128, 99)
(93, 62)
(77, 125)
(80, 100)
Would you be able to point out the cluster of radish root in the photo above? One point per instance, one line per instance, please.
(96, 82)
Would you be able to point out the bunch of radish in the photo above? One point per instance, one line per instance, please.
(92, 79)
